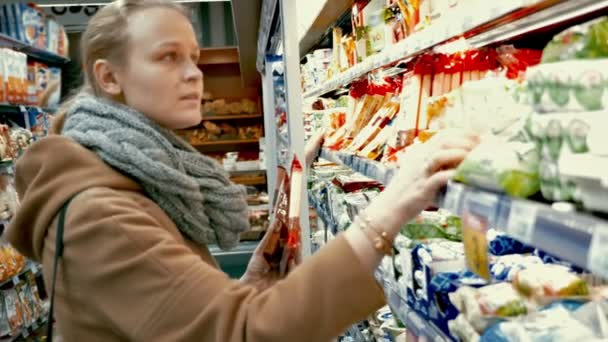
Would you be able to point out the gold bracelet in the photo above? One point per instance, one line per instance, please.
(379, 239)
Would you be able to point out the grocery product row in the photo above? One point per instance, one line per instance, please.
(385, 32)
(29, 24)
(541, 116)
(28, 82)
(529, 294)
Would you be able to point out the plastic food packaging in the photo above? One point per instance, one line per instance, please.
(585, 41)
(546, 283)
(429, 225)
(279, 221)
(291, 252)
(484, 306)
(510, 167)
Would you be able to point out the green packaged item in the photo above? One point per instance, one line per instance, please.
(503, 166)
(585, 41)
(432, 225)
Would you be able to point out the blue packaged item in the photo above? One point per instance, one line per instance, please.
(25, 23)
(37, 122)
(503, 245)
(428, 259)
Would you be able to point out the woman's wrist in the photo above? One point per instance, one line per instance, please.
(389, 212)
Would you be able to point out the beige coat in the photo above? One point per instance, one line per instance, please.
(129, 275)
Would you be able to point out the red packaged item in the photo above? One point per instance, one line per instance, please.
(279, 220)
(291, 252)
(355, 182)
(517, 61)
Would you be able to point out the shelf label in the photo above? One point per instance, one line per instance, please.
(521, 222)
(597, 260)
(475, 238)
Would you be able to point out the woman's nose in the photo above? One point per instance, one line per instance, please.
(192, 72)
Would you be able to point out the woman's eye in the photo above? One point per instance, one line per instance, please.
(169, 57)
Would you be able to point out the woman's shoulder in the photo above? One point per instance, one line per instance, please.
(125, 209)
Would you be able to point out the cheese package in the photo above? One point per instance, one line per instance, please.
(550, 282)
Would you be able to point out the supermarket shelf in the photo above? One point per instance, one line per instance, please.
(579, 238)
(225, 145)
(223, 55)
(18, 109)
(231, 117)
(245, 172)
(572, 236)
(366, 167)
(320, 15)
(248, 180)
(322, 214)
(492, 22)
(259, 207)
(226, 142)
(38, 54)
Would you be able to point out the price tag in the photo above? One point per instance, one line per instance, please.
(475, 238)
(522, 219)
(597, 260)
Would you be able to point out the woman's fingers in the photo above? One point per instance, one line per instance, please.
(439, 180)
(445, 159)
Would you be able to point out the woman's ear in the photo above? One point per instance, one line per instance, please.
(106, 78)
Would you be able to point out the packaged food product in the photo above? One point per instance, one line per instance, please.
(291, 252)
(21, 139)
(28, 316)
(484, 306)
(279, 221)
(562, 322)
(53, 31)
(14, 310)
(550, 282)
(27, 23)
(63, 48)
(360, 30)
(498, 165)
(36, 121)
(585, 41)
(431, 225)
(569, 86)
(355, 182)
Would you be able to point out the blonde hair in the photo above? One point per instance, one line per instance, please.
(106, 37)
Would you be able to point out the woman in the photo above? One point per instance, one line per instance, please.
(136, 265)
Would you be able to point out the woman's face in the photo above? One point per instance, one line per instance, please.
(161, 78)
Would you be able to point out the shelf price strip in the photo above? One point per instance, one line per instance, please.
(598, 253)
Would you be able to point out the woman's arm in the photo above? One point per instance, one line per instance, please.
(149, 286)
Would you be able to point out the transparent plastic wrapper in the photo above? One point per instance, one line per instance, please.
(547, 283)
(486, 305)
(503, 166)
(563, 322)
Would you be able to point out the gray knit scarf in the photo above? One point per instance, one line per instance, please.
(194, 190)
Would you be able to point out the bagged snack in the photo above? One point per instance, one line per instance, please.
(6, 148)
(549, 282)
(355, 182)
(8, 199)
(585, 41)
